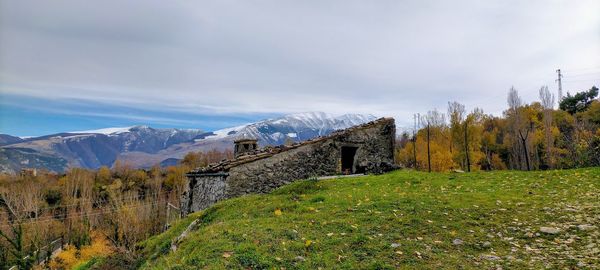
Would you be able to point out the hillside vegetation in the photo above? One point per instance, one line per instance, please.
(533, 136)
(403, 219)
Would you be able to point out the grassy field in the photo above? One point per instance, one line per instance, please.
(403, 219)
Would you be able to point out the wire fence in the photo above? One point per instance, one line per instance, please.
(43, 254)
(80, 206)
(83, 202)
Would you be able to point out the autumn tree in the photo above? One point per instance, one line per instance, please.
(103, 175)
(194, 160)
(493, 131)
(547, 102)
(473, 137)
(404, 150)
(77, 187)
(201, 159)
(526, 137)
(21, 202)
(458, 133)
(432, 143)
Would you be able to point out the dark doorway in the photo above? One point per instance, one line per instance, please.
(348, 154)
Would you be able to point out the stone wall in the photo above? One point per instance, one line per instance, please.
(204, 191)
(264, 171)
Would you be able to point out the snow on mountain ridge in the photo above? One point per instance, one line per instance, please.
(299, 126)
(105, 131)
(120, 130)
(145, 146)
(315, 120)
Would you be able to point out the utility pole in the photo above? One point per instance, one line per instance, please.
(559, 80)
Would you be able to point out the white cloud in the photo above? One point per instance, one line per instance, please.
(381, 57)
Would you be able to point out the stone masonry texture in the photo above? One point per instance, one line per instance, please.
(267, 169)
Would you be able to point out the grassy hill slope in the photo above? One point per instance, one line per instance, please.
(403, 219)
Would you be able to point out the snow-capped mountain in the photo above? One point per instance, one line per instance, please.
(143, 146)
(106, 131)
(297, 127)
(95, 148)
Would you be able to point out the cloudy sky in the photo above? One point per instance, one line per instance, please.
(73, 65)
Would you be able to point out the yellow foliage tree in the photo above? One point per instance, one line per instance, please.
(71, 256)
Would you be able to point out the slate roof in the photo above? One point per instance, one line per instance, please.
(226, 164)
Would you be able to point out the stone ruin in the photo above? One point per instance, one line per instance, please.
(366, 148)
(243, 146)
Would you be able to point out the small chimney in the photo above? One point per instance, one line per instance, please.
(244, 145)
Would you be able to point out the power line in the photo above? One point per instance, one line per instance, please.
(95, 202)
(105, 211)
(584, 69)
(582, 74)
(582, 80)
(66, 216)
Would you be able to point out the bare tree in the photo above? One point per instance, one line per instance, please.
(547, 100)
(433, 119)
(514, 100)
(426, 122)
(21, 203)
(519, 126)
(78, 192)
(524, 142)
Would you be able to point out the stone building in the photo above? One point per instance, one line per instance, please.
(244, 145)
(367, 148)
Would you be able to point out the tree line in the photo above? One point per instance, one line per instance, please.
(98, 212)
(533, 136)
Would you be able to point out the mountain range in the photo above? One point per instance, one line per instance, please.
(144, 146)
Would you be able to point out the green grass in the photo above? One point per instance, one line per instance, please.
(88, 264)
(403, 219)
